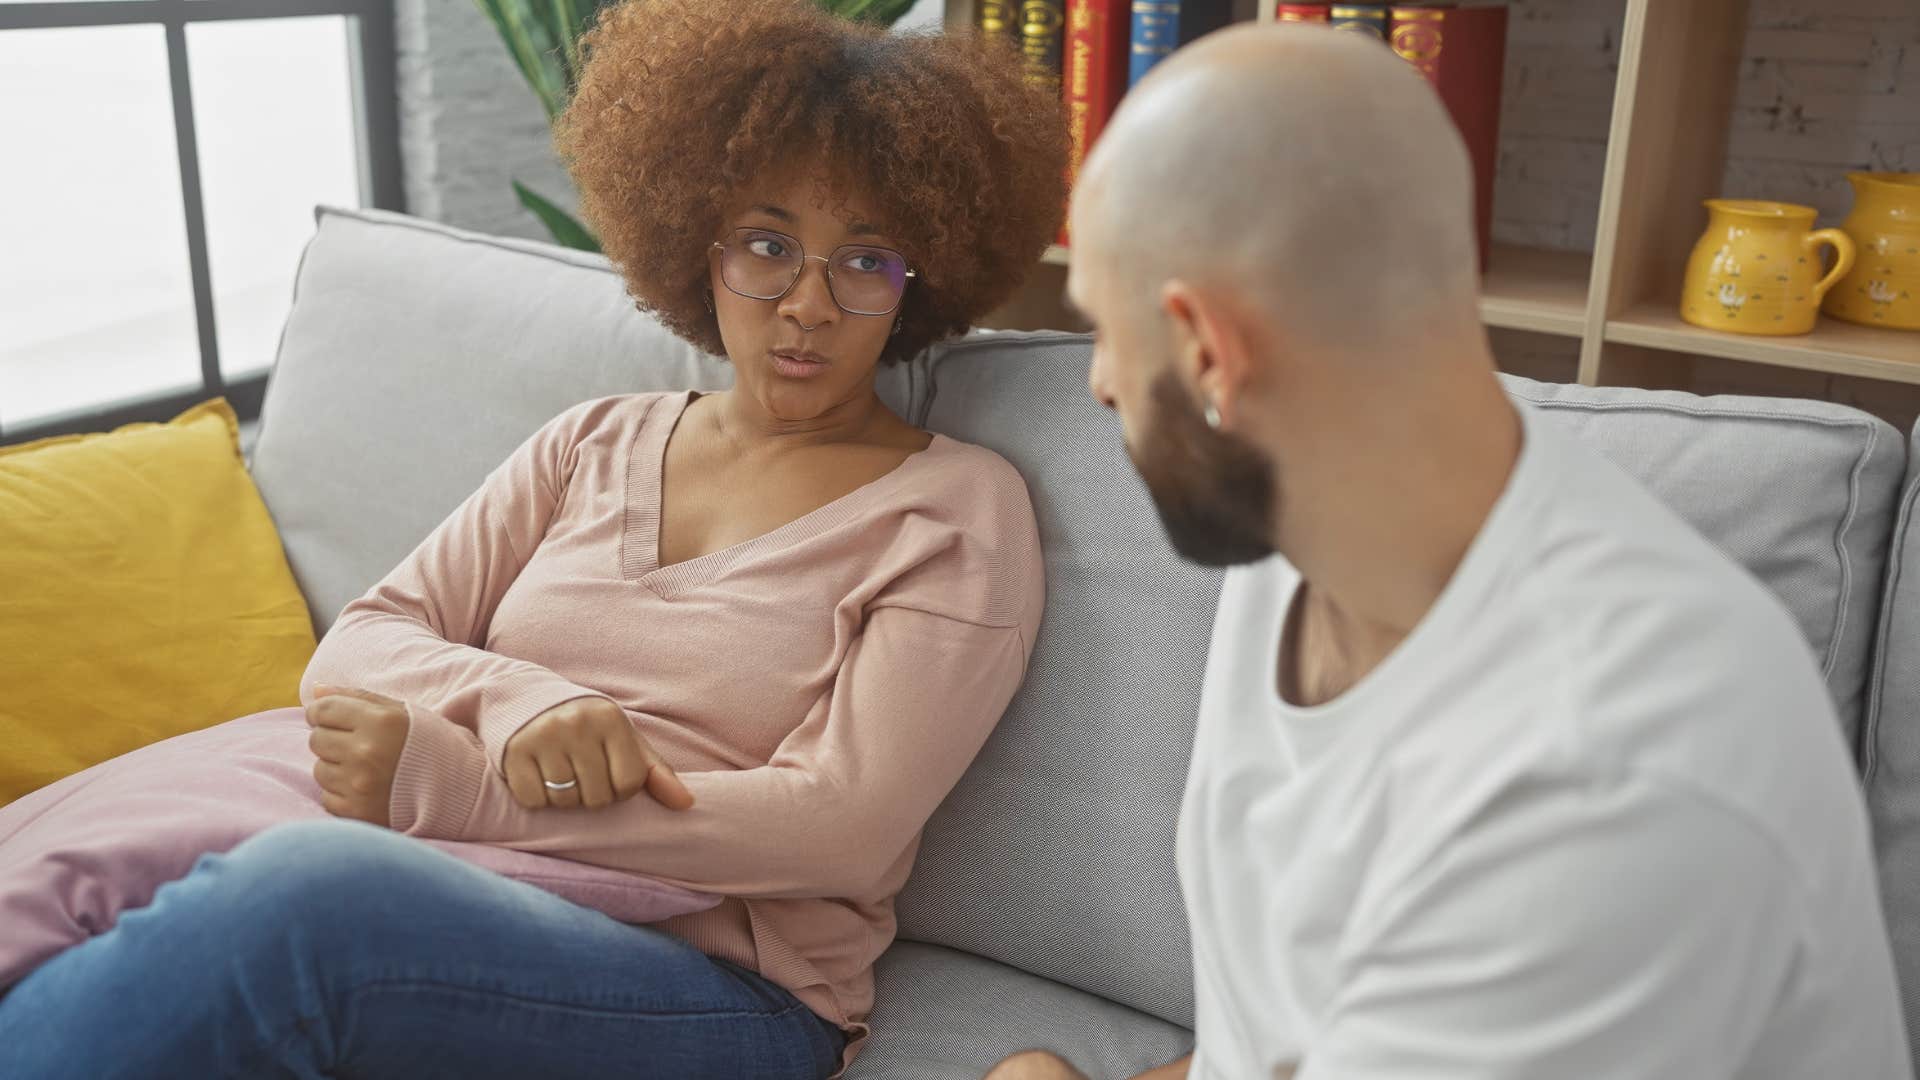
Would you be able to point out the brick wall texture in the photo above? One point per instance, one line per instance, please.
(1826, 86)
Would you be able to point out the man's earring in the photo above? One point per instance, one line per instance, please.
(1213, 416)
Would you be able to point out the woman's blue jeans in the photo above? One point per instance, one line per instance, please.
(336, 949)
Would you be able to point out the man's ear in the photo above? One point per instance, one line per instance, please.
(1211, 350)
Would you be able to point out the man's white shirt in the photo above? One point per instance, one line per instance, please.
(1593, 818)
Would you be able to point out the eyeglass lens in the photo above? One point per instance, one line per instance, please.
(763, 265)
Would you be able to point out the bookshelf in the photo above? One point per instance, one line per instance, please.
(1834, 347)
(1666, 151)
(1540, 291)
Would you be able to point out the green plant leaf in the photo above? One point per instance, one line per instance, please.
(524, 27)
(588, 14)
(566, 24)
(566, 231)
(882, 12)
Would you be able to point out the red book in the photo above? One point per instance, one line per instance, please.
(1095, 73)
(1462, 52)
(1316, 13)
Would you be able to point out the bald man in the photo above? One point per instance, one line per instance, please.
(1501, 771)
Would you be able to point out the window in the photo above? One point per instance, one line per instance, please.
(163, 161)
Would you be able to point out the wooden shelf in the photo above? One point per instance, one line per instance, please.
(1835, 347)
(1541, 291)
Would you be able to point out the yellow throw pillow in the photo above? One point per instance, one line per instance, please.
(143, 594)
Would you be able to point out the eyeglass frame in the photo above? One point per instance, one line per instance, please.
(910, 274)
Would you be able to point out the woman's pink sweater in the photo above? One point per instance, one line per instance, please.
(820, 688)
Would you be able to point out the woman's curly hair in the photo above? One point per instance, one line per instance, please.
(683, 103)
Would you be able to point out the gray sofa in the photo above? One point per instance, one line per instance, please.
(1044, 909)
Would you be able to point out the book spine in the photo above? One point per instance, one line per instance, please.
(1462, 52)
(999, 19)
(1156, 33)
(1417, 35)
(1095, 74)
(1313, 13)
(1360, 18)
(1043, 25)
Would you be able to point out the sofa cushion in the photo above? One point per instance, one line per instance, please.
(1891, 750)
(1055, 853)
(415, 358)
(1801, 493)
(947, 1015)
(143, 594)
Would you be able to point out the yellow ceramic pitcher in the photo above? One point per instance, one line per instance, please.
(1884, 288)
(1757, 270)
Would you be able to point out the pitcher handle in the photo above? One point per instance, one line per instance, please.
(1842, 247)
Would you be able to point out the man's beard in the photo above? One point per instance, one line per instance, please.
(1214, 491)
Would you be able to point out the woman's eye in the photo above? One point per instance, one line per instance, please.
(865, 264)
(767, 248)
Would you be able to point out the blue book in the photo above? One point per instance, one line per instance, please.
(1161, 26)
(1156, 33)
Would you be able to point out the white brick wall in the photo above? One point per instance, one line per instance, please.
(1562, 56)
(1826, 86)
(468, 123)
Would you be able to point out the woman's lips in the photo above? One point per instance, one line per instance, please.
(798, 365)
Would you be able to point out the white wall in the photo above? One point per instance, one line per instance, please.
(1825, 86)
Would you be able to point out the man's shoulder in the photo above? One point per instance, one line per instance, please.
(1688, 684)
(1612, 575)
(1621, 642)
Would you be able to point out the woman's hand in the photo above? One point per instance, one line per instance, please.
(357, 738)
(590, 746)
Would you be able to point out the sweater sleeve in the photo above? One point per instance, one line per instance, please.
(418, 634)
(830, 814)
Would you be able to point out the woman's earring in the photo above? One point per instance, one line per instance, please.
(709, 299)
(1213, 416)
(896, 329)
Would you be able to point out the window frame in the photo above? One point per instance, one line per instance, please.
(376, 110)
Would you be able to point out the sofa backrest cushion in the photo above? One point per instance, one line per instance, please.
(416, 358)
(1891, 752)
(1801, 493)
(1055, 854)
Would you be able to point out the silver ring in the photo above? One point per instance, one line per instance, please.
(568, 785)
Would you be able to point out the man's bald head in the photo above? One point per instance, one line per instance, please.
(1311, 168)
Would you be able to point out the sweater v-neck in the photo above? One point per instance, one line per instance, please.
(646, 476)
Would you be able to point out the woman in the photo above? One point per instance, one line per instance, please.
(742, 643)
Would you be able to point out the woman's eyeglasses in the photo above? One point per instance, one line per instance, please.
(763, 265)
